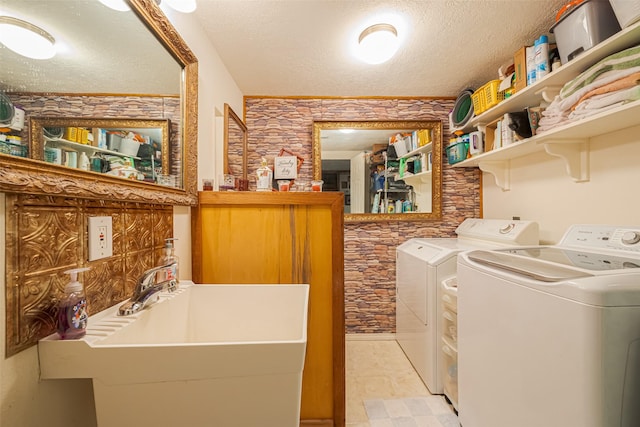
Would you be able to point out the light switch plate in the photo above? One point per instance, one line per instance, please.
(100, 237)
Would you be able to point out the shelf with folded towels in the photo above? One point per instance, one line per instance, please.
(569, 141)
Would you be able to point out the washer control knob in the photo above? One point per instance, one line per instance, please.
(631, 237)
(507, 228)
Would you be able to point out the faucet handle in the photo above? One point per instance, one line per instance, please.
(172, 285)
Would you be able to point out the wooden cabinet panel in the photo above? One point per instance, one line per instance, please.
(284, 238)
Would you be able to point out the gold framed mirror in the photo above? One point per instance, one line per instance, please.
(87, 92)
(235, 144)
(378, 180)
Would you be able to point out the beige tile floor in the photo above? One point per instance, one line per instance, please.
(377, 369)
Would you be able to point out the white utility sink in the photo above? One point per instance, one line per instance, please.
(204, 355)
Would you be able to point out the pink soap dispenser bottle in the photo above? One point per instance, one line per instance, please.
(72, 309)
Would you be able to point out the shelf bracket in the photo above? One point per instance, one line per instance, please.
(499, 170)
(549, 92)
(575, 154)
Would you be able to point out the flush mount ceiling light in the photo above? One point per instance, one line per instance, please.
(378, 43)
(26, 39)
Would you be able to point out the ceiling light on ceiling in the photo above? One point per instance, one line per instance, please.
(378, 43)
(26, 39)
(119, 5)
(184, 6)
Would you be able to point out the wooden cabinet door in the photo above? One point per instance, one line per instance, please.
(292, 239)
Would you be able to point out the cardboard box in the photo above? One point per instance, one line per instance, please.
(520, 69)
(376, 152)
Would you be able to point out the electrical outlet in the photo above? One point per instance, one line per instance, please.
(100, 236)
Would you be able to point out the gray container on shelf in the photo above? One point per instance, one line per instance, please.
(113, 141)
(627, 11)
(583, 27)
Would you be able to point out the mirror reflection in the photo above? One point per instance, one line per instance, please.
(91, 77)
(387, 170)
(235, 144)
(132, 149)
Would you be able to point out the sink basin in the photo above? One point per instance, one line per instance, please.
(227, 355)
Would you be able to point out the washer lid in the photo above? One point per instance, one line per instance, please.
(544, 272)
(588, 261)
(594, 278)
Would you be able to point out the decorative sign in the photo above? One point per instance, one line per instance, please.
(285, 167)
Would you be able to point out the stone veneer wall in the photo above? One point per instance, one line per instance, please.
(275, 123)
(105, 107)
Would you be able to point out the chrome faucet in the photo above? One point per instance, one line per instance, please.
(147, 290)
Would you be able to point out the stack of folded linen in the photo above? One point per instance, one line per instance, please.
(612, 82)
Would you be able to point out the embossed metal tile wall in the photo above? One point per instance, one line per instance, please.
(46, 236)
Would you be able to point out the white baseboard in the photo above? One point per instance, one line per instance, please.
(370, 337)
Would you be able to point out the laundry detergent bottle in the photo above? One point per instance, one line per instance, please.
(72, 309)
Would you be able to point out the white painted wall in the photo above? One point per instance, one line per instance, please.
(542, 191)
(25, 401)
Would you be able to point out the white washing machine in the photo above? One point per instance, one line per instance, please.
(421, 265)
(550, 335)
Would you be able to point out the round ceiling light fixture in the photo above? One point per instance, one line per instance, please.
(26, 39)
(378, 43)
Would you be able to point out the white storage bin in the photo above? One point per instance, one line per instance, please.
(450, 294)
(627, 11)
(450, 326)
(450, 372)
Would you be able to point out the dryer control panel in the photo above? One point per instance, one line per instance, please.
(504, 231)
(603, 237)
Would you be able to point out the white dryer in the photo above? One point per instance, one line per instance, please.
(421, 265)
(550, 335)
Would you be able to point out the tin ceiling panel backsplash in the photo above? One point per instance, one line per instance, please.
(47, 235)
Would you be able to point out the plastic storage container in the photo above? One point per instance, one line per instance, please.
(449, 342)
(584, 26)
(487, 96)
(457, 152)
(627, 11)
(450, 372)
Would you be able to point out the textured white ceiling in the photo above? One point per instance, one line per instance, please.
(283, 47)
(301, 47)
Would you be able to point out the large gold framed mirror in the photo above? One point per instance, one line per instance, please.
(91, 77)
(235, 144)
(388, 170)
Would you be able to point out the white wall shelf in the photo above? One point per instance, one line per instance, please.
(89, 149)
(416, 179)
(424, 149)
(552, 82)
(570, 142)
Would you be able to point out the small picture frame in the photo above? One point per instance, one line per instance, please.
(285, 167)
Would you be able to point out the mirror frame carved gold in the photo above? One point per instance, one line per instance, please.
(229, 116)
(436, 182)
(32, 176)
